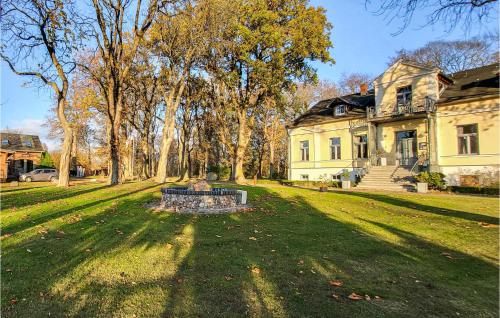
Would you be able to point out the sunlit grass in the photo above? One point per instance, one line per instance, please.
(93, 250)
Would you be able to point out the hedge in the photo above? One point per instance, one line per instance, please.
(474, 190)
(311, 184)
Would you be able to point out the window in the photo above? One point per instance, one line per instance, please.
(403, 95)
(361, 146)
(336, 177)
(27, 143)
(467, 140)
(340, 110)
(304, 150)
(5, 142)
(304, 177)
(335, 148)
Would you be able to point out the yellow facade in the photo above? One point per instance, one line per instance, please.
(320, 162)
(434, 132)
(424, 83)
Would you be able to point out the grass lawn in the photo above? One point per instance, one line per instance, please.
(93, 250)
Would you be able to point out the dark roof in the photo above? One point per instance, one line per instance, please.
(473, 83)
(322, 111)
(20, 142)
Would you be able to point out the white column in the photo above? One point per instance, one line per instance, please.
(25, 165)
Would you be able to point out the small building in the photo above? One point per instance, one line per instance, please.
(414, 116)
(19, 154)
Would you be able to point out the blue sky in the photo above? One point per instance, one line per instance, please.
(362, 43)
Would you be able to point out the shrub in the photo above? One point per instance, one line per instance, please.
(435, 180)
(475, 190)
(223, 172)
(311, 184)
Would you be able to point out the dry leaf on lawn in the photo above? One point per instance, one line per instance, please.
(256, 270)
(336, 282)
(354, 296)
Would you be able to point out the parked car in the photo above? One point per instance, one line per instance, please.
(40, 175)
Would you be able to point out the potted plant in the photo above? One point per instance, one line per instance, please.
(346, 179)
(380, 155)
(422, 182)
(323, 183)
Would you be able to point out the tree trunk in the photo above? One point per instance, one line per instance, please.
(65, 160)
(271, 160)
(241, 146)
(166, 141)
(113, 131)
(168, 131)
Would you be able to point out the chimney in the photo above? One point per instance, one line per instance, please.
(363, 89)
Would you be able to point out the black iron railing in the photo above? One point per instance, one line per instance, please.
(425, 105)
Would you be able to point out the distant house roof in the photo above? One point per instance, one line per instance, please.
(19, 142)
(323, 111)
(473, 83)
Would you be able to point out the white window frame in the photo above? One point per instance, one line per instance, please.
(340, 110)
(335, 150)
(304, 177)
(467, 137)
(359, 144)
(304, 150)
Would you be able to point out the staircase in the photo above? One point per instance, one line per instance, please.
(388, 178)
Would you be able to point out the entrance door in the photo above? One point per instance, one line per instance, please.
(407, 147)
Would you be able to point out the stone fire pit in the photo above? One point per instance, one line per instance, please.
(200, 198)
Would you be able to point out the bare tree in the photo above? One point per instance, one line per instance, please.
(350, 83)
(449, 12)
(177, 40)
(453, 56)
(116, 50)
(38, 41)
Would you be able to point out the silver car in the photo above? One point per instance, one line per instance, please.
(39, 175)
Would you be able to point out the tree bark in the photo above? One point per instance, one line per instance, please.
(65, 161)
(168, 131)
(271, 159)
(241, 146)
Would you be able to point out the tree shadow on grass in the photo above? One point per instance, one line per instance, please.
(207, 271)
(42, 195)
(45, 217)
(399, 202)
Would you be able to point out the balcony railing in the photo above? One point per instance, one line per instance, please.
(427, 105)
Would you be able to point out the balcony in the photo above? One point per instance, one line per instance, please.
(417, 107)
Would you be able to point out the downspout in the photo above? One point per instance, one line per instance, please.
(289, 172)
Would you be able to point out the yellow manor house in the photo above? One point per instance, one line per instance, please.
(415, 118)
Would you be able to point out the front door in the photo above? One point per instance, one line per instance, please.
(407, 147)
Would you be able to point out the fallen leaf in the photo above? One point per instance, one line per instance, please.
(336, 283)
(447, 255)
(13, 301)
(485, 224)
(28, 250)
(179, 280)
(169, 246)
(252, 238)
(335, 296)
(367, 297)
(6, 235)
(354, 296)
(88, 250)
(218, 236)
(378, 297)
(256, 270)
(301, 262)
(228, 278)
